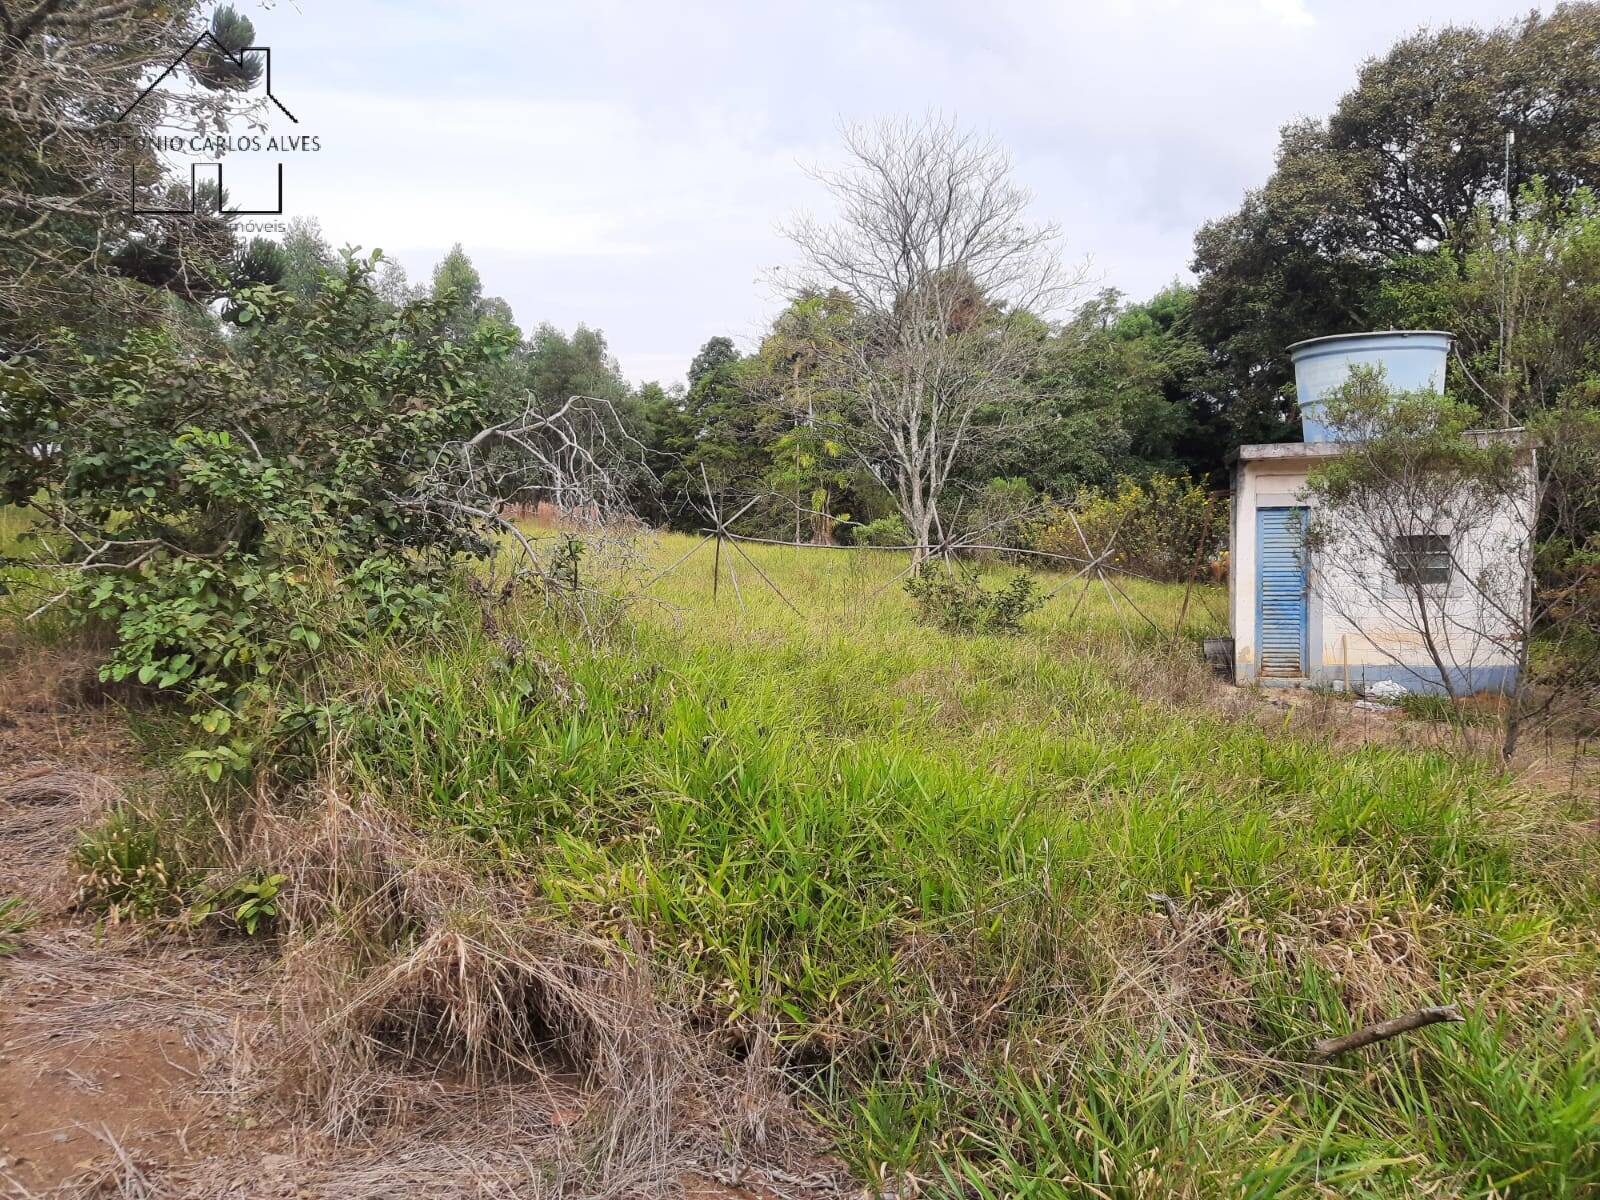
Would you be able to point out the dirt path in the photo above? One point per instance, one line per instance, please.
(104, 1039)
(125, 1059)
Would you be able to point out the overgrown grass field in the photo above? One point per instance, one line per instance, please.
(933, 867)
(1053, 914)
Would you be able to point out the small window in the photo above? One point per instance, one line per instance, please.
(1422, 559)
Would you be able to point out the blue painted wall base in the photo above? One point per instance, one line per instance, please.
(1422, 679)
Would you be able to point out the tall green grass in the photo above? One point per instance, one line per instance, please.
(934, 867)
(928, 862)
(28, 615)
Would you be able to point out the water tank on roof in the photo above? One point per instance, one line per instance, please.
(1413, 360)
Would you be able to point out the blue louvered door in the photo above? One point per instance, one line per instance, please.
(1281, 592)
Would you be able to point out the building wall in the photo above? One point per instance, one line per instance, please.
(1257, 485)
(1357, 636)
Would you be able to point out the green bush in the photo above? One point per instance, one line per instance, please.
(206, 507)
(959, 603)
(127, 867)
(249, 905)
(1158, 528)
(885, 531)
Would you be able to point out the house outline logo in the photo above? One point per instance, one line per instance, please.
(237, 58)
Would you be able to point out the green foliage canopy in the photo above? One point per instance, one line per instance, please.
(1401, 166)
(199, 503)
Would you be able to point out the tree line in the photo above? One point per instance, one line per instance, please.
(1371, 218)
(936, 365)
(1450, 188)
(207, 433)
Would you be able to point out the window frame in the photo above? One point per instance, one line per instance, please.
(1411, 565)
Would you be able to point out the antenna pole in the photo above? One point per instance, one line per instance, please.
(1511, 137)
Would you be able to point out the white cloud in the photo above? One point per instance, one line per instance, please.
(1290, 12)
(625, 164)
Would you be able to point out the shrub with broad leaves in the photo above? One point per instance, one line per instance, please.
(958, 602)
(225, 511)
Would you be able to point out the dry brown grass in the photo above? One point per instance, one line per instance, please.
(415, 1030)
(421, 995)
(42, 809)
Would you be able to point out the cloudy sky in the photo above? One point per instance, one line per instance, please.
(625, 164)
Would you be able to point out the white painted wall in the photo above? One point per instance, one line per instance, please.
(1354, 632)
(1257, 484)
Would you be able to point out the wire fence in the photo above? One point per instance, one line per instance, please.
(1086, 570)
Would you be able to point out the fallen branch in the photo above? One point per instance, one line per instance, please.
(1382, 1030)
(1174, 914)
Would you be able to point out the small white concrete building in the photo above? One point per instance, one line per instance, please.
(1339, 616)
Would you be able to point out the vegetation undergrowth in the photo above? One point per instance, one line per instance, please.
(984, 870)
(958, 602)
(15, 919)
(1017, 924)
(1011, 915)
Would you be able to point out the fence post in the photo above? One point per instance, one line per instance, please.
(1194, 567)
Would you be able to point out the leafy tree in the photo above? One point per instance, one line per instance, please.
(1523, 296)
(493, 308)
(717, 352)
(810, 464)
(71, 251)
(458, 288)
(222, 63)
(659, 420)
(456, 275)
(1400, 167)
(307, 258)
(1121, 392)
(260, 261)
(1120, 389)
(393, 285)
(732, 429)
(198, 505)
(1264, 286)
(556, 365)
(186, 257)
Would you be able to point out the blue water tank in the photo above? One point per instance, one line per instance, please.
(1413, 360)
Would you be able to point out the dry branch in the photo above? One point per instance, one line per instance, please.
(1382, 1030)
(1170, 907)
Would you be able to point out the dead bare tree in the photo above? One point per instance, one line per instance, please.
(575, 456)
(949, 288)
